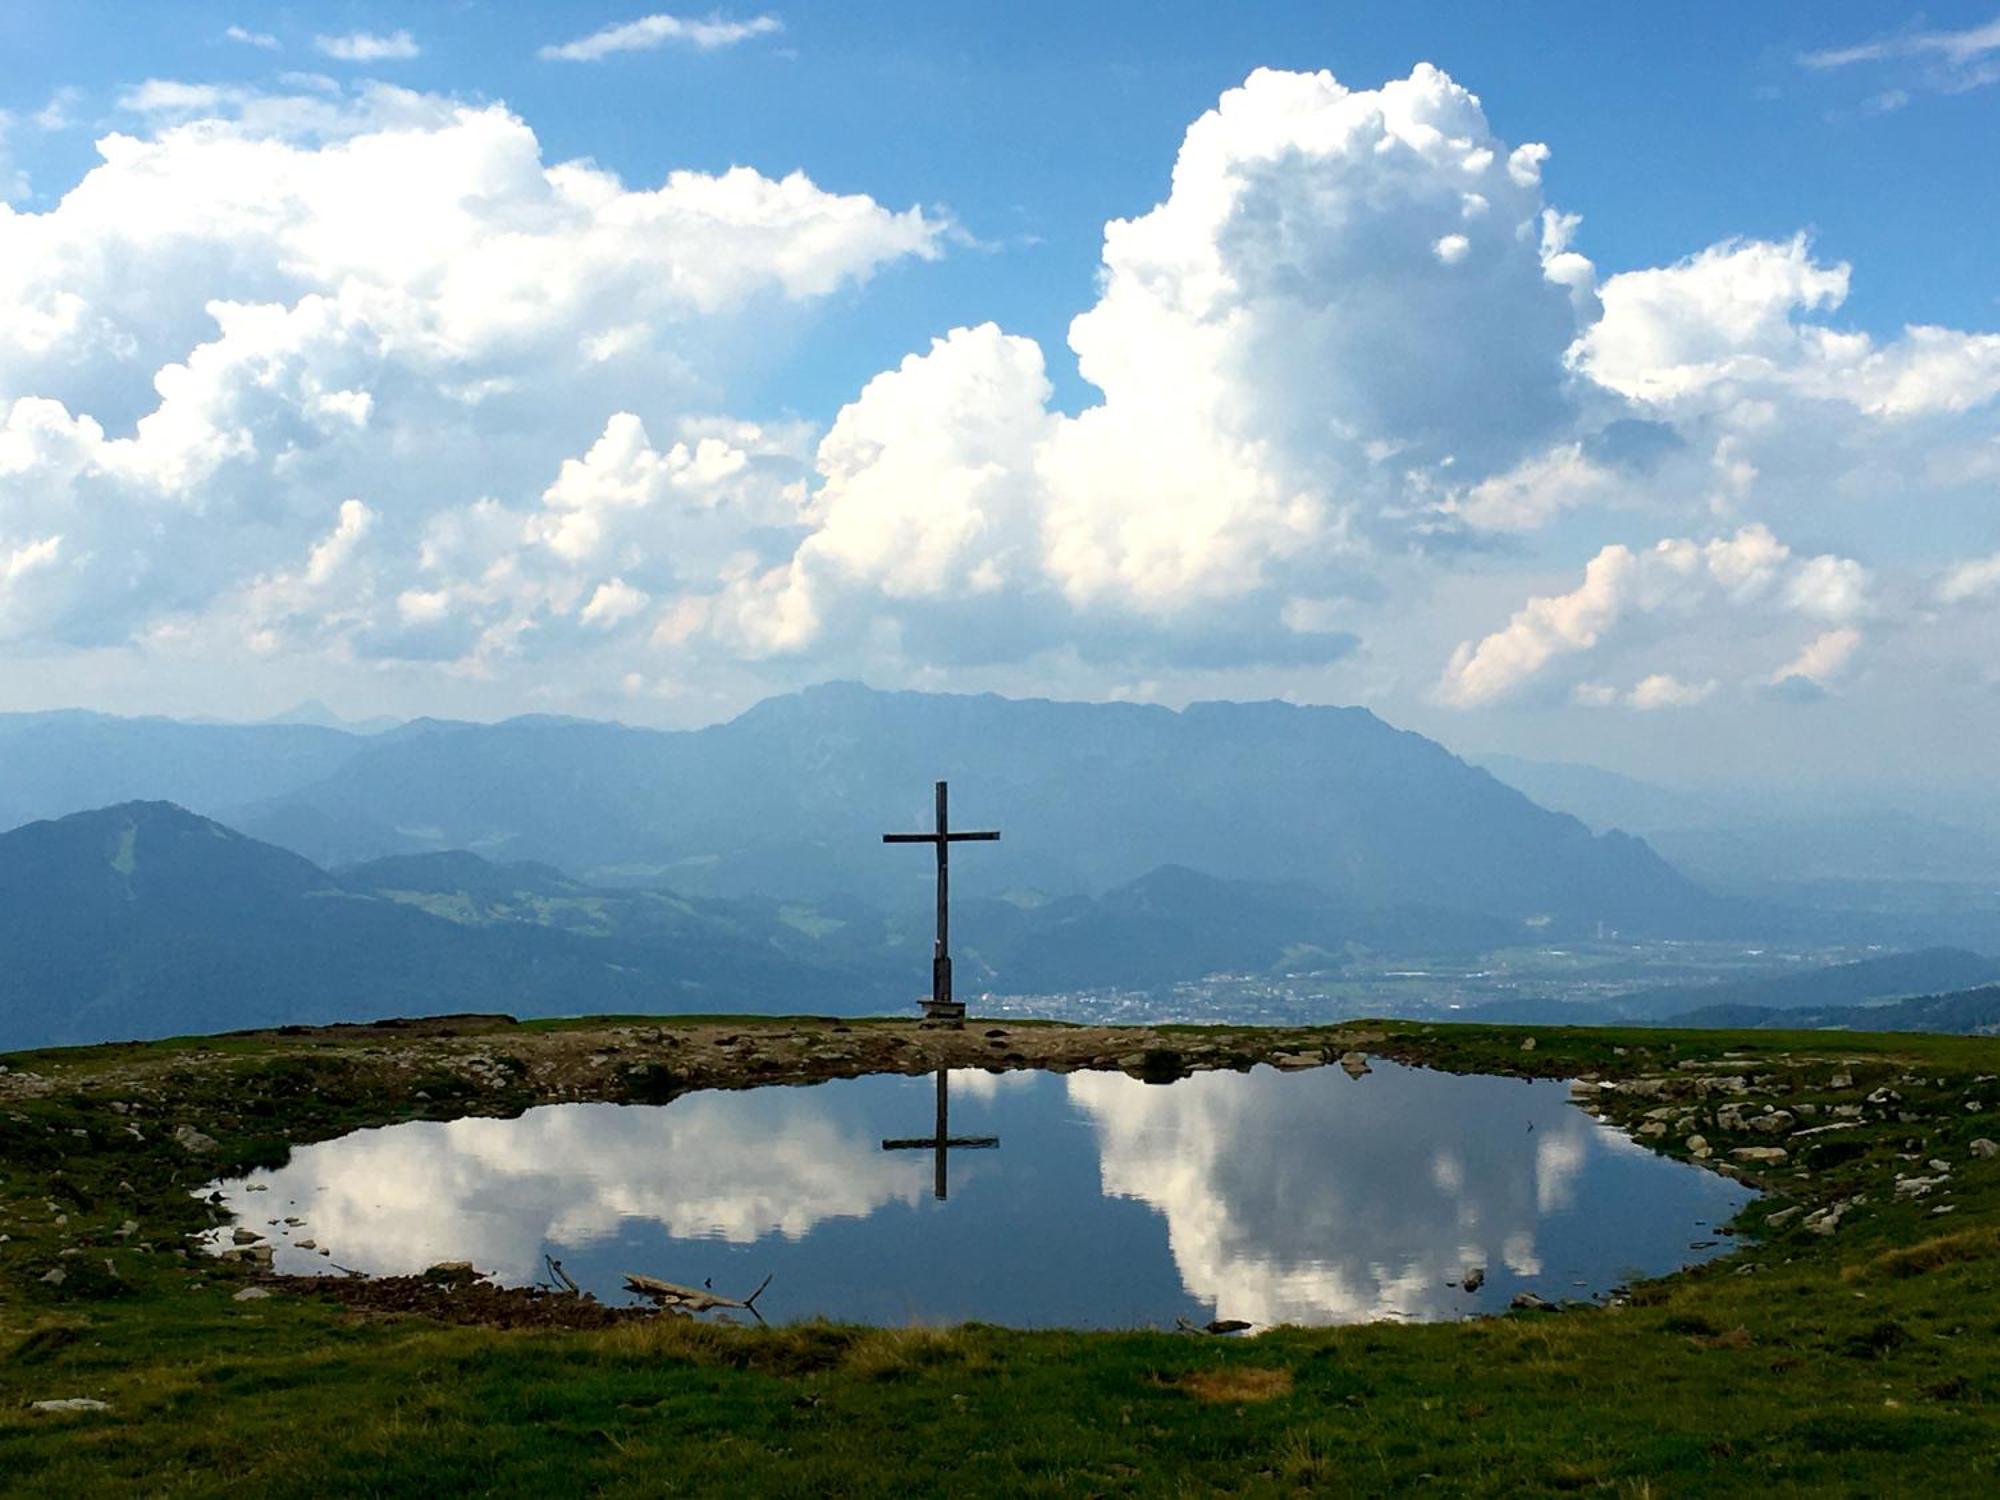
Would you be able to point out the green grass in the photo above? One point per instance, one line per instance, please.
(1864, 1363)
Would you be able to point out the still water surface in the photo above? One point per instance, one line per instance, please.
(1304, 1197)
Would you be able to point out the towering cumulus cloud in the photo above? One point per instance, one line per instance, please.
(1350, 303)
(361, 379)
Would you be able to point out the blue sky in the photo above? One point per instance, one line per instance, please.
(1016, 134)
(1675, 126)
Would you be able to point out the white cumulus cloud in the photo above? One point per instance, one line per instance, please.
(1357, 396)
(368, 46)
(1692, 586)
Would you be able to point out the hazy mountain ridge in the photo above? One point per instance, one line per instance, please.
(1964, 1012)
(790, 799)
(1903, 868)
(1924, 971)
(1868, 982)
(147, 920)
(71, 760)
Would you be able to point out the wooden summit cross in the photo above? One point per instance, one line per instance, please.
(941, 1140)
(940, 1006)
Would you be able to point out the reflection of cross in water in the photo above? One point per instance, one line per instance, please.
(943, 1140)
(940, 1006)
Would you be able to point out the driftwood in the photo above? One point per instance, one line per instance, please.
(562, 1280)
(1215, 1326)
(670, 1296)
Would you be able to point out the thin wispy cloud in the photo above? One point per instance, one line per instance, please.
(247, 38)
(55, 115)
(649, 32)
(1954, 60)
(169, 96)
(367, 46)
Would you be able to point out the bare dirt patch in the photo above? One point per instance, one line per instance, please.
(1237, 1385)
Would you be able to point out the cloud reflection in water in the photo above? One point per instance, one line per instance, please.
(1275, 1197)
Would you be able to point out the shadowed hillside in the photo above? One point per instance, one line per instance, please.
(789, 800)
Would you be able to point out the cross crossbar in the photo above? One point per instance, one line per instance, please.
(931, 1143)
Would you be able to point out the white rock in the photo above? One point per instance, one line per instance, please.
(71, 1403)
(1761, 1155)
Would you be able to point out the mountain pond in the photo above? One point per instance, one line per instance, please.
(1087, 1199)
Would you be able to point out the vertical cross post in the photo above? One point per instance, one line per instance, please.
(941, 1006)
(941, 953)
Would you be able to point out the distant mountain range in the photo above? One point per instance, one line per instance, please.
(788, 801)
(1926, 876)
(1863, 986)
(1965, 1012)
(1869, 979)
(146, 920)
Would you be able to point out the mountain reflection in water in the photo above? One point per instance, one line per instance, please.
(1304, 1197)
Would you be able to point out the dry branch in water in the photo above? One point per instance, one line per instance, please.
(670, 1296)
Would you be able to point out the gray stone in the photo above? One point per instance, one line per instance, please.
(1985, 1148)
(1474, 1279)
(65, 1404)
(190, 1139)
(1527, 1044)
(251, 1294)
(244, 1236)
(1529, 1302)
(1761, 1155)
(1354, 1064)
